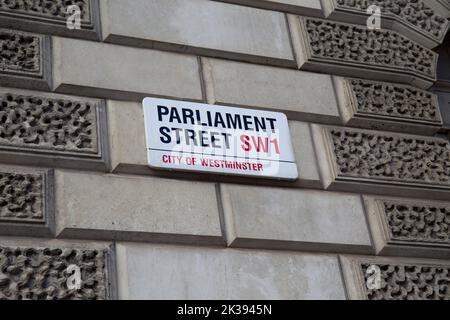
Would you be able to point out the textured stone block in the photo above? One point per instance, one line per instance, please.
(441, 6)
(409, 227)
(311, 8)
(399, 279)
(324, 46)
(34, 270)
(414, 19)
(99, 69)
(110, 207)
(387, 106)
(301, 95)
(50, 17)
(165, 272)
(129, 155)
(276, 218)
(407, 165)
(26, 202)
(52, 130)
(25, 60)
(201, 27)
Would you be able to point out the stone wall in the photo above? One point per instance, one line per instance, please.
(370, 136)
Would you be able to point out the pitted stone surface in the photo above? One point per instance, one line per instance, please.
(52, 9)
(346, 43)
(21, 52)
(386, 156)
(41, 273)
(415, 13)
(410, 282)
(39, 122)
(418, 222)
(409, 227)
(21, 197)
(393, 100)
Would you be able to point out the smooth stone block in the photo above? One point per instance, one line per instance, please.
(166, 272)
(110, 207)
(277, 218)
(201, 27)
(123, 73)
(302, 142)
(302, 7)
(129, 148)
(301, 95)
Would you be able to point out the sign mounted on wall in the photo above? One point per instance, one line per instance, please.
(206, 138)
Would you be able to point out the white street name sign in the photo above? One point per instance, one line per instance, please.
(206, 138)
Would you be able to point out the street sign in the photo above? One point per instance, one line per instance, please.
(206, 138)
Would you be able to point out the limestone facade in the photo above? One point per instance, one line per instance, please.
(82, 215)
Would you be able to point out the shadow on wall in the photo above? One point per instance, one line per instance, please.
(442, 86)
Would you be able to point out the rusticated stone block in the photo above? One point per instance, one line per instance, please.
(352, 50)
(50, 17)
(409, 227)
(26, 201)
(387, 106)
(411, 165)
(370, 278)
(52, 129)
(441, 6)
(423, 223)
(414, 19)
(383, 156)
(24, 60)
(49, 273)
